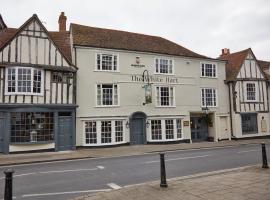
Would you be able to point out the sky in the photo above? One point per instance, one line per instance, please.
(203, 26)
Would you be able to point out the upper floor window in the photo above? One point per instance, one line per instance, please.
(107, 62)
(59, 77)
(164, 66)
(24, 80)
(251, 92)
(165, 96)
(209, 97)
(107, 95)
(208, 70)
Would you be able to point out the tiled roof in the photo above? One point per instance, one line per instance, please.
(265, 65)
(61, 39)
(234, 63)
(122, 40)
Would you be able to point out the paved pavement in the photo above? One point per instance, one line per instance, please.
(251, 183)
(115, 151)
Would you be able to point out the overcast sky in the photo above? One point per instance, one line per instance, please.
(204, 26)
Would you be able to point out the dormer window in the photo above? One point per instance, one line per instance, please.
(106, 62)
(24, 80)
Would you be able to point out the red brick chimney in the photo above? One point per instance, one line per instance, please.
(225, 51)
(62, 22)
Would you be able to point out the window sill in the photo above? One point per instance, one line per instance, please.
(166, 140)
(107, 106)
(26, 94)
(165, 106)
(105, 144)
(210, 77)
(31, 143)
(164, 74)
(110, 71)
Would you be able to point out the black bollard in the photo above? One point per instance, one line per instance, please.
(8, 185)
(264, 156)
(163, 181)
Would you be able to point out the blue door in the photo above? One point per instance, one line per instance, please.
(137, 128)
(2, 128)
(199, 130)
(65, 140)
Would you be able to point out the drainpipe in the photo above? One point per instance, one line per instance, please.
(230, 104)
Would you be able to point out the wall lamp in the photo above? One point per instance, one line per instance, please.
(127, 124)
(147, 124)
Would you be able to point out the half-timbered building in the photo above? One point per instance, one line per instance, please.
(248, 94)
(37, 88)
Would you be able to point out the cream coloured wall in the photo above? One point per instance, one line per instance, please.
(30, 147)
(187, 90)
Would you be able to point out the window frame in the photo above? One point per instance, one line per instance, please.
(203, 102)
(113, 57)
(162, 58)
(158, 96)
(255, 91)
(203, 70)
(253, 115)
(113, 95)
(32, 81)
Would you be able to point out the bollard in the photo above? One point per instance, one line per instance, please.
(264, 156)
(163, 181)
(8, 185)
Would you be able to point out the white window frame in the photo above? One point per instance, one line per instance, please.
(113, 100)
(216, 93)
(256, 92)
(163, 129)
(32, 82)
(106, 53)
(98, 132)
(162, 58)
(203, 71)
(158, 96)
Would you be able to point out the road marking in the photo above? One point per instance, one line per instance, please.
(61, 193)
(173, 159)
(248, 151)
(114, 186)
(70, 170)
(100, 167)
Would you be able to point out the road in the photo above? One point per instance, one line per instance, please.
(69, 179)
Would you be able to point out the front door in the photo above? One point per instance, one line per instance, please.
(65, 133)
(2, 128)
(199, 130)
(137, 129)
(223, 132)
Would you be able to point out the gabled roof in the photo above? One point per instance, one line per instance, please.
(60, 39)
(265, 65)
(122, 40)
(234, 63)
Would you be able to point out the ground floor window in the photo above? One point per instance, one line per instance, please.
(166, 129)
(31, 127)
(249, 123)
(104, 131)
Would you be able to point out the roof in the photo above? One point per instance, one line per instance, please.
(234, 63)
(61, 39)
(122, 40)
(265, 65)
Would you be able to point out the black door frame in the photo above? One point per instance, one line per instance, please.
(138, 115)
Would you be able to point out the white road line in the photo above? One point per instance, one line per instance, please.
(70, 170)
(248, 151)
(61, 193)
(100, 167)
(173, 159)
(114, 186)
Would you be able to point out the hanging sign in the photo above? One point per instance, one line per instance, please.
(148, 93)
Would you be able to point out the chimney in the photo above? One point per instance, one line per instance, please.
(62, 22)
(225, 51)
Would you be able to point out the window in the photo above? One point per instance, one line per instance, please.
(208, 70)
(24, 80)
(107, 62)
(104, 132)
(249, 123)
(31, 127)
(164, 66)
(169, 128)
(59, 77)
(166, 129)
(179, 128)
(165, 96)
(156, 130)
(118, 131)
(209, 97)
(107, 95)
(90, 132)
(251, 92)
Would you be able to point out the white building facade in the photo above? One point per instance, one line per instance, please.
(111, 90)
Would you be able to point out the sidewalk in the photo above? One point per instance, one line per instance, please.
(251, 183)
(116, 151)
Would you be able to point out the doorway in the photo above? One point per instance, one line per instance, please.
(199, 129)
(137, 128)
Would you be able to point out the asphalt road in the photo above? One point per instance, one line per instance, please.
(69, 179)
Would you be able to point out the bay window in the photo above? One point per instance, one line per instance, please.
(24, 80)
